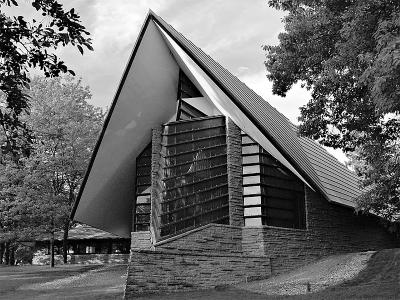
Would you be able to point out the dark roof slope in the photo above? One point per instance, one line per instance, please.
(84, 232)
(313, 162)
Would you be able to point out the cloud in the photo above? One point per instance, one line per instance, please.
(231, 31)
(114, 27)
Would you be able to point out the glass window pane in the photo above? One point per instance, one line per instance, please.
(142, 227)
(254, 200)
(143, 186)
(143, 189)
(252, 222)
(196, 181)
(142, 218)
(143, 199)
(250, 149)
(253, 189)
(253, 159)
(247, 140)
(251, 179)
(143, 209)
(251, 169)
(252, 211)
(143, 180)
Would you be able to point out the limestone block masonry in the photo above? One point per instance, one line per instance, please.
(242, 253)
(156, 184)
(160, 271)
(234, 161)
(331, 229)
(141, 240)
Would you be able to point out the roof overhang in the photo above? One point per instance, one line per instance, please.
(146, 98)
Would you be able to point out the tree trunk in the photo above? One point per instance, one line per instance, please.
(2, 248)
(7, 253)
(65, 242)
(52, 250)
(12, 255)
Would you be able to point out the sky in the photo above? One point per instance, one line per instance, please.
(230, 31)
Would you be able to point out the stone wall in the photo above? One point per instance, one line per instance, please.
(156, 183)
(331, 229)
(160, 271)
(141, 240)
(214, 238)
(234, 161)
(218, 254)
(86, 259)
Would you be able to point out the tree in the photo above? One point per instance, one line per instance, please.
(347, 52)
(31, 44)
(10, 218)
(66, 129)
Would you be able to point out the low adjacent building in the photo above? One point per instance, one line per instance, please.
(86, 245)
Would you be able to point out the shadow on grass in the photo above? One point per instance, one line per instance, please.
(379, 280)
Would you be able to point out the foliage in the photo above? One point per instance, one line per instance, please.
(31, 44)
(347, 52)
(37, 192)
(23, 255)
(377, 162)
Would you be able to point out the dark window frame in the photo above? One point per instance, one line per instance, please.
(139, 225)
(184, 207)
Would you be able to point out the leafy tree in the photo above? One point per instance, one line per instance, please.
(66, 129)
(26, 44)
(347, 52)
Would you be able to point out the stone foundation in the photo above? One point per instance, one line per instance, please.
(160, 271)
(218, 254)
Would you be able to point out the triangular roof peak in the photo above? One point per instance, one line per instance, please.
(105, 199)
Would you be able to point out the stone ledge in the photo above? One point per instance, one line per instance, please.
(277, 228)
(179, 236)
(189, 253)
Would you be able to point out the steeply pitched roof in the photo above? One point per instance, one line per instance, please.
(107, 199)
(312, 161)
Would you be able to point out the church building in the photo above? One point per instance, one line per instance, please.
(211, 183)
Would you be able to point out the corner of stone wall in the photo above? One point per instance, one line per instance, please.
(234, 161)
(141, 240)
(156, 188)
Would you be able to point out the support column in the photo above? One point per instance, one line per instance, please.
(156, 184)
(234, 160)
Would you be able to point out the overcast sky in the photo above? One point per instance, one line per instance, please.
(230, 31)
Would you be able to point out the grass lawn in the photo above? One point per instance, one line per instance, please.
(379, 280)
(62, 282)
